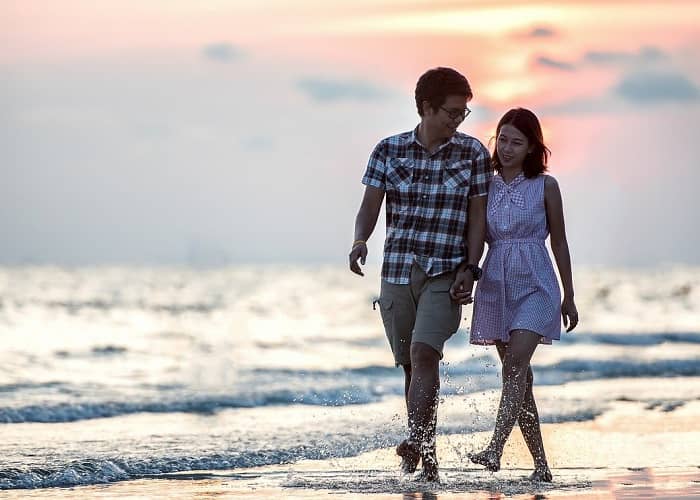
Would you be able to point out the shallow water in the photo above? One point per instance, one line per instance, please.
(114, 373)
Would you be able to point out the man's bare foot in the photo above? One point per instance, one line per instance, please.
(487, 458)
(541, 474)
(428, 476)
(430, 468)
(409, 451)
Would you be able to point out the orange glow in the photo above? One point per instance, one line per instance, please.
(484, 21)
(33, 28)
(386, 42)
(507, 90)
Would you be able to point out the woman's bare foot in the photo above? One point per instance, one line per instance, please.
(489, 459)
(409, 451)
(541, 474)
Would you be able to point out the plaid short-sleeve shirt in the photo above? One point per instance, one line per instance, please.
(426, 200)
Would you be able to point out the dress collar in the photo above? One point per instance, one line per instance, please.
(506, 193)
(513, 183)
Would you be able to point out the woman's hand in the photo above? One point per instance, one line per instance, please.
(569, 314)
(461, 289)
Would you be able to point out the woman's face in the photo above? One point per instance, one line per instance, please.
(512, 147)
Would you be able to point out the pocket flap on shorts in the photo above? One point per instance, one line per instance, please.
(385, 304)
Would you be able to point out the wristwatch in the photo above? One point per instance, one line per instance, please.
(475, 270)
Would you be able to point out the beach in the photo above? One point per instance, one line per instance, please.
(632, 450)
(182, 383)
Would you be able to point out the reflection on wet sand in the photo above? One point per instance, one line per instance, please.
(651, 483)
(275, 482)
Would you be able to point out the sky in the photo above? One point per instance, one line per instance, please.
(216, 132)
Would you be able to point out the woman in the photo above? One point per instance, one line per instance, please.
(517, 300)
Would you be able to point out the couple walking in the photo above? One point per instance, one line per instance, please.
(443, 202)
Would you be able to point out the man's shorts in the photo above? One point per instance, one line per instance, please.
(421, 311)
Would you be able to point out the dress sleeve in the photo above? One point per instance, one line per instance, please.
(482, 173)
(375, 175)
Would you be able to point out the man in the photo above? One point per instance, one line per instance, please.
(435, 180)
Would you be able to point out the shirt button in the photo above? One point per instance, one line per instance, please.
(426, 177)
(425, 196)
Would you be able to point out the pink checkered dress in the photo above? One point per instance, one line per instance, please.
(518, 288)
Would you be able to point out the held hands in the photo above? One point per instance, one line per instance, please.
(461, 289)
(569, 314)
(358, 251)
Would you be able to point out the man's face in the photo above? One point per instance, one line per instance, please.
(447, 118)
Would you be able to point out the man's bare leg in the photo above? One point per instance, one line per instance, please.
(406, 381)
(516, 363)
(422, 405)
(408, 450)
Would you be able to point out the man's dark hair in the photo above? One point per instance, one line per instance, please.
(436, 84)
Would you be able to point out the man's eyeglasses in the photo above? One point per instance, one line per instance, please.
(456, 114)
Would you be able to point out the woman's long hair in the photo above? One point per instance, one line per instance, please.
(527, 123)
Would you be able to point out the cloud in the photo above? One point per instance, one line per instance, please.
(222, 52)
(580, 106)
(553, 63)
(325, 90)
(536, 32)
(634, 89)
(644, 55)
(541, 32)
(648, 87)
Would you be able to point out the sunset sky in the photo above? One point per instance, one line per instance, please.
(225, 132)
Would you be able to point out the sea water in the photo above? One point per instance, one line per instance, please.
(114, 373)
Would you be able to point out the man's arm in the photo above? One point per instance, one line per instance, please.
(365, 222)
(476, 230)
(461, 290)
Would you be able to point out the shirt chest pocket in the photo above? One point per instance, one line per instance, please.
(457, 174)
(399, 174)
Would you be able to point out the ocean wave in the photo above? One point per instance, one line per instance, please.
(362, 385)
(106, 470)
(71, 412)
(106, 350)
(77, 306)
(28, 385)
(317, 445)
(472, 365)
(585, 369)
(577, 369)
(633, 339)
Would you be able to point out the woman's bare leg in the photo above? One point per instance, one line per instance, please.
(529, 422)
(516, 367)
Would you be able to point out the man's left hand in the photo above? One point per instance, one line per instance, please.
(461, 289)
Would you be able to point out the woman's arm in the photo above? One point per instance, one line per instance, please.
(560, 248)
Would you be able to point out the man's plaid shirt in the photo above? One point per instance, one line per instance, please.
(426, 200)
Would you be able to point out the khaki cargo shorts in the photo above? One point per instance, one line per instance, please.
(421, 311)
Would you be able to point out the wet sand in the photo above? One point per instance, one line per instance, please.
(634, 450)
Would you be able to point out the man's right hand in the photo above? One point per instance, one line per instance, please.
(359, 251)
(461, 289)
